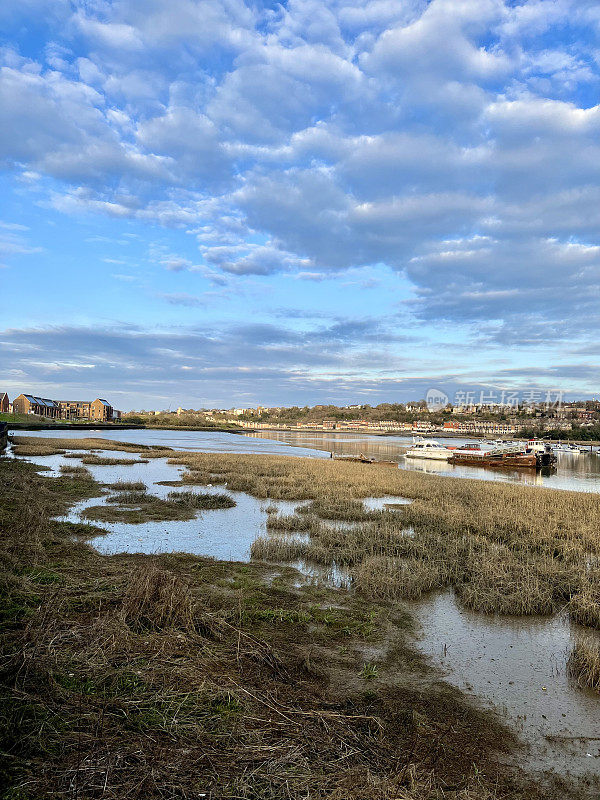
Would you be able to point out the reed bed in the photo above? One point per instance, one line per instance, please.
(391, 578)
(584, 663)
(107, 461)
(584, 607)
(72, 469)
(200, 500)
(136, 507)
(88, 443)
(36, 450)
(505, 548)
(126, 486)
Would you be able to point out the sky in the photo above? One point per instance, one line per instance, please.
(217, 203)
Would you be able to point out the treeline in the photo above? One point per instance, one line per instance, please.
(395, 412)
(587, 433)
(173, 421)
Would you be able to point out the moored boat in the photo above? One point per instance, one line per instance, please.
(429, 448)
(503, 459)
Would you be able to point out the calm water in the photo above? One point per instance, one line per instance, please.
(577, 472)
(518, 665)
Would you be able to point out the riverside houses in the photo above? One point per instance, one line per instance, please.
(101, 410)
(31, 404)
(4, 403)
(98, 410)
(74, 409)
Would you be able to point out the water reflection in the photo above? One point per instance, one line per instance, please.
(579, 472)
(518, 664)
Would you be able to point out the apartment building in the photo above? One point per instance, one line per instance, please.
(74, 409)
(98, 409)
(31, 404)
(101, 410)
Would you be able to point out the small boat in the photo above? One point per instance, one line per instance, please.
(504, 457)
(567, 448)
(429, 448)
(536, 446)
(360, 459)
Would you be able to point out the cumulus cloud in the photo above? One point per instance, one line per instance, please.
(457, 143)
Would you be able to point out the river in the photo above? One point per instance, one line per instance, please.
(579, 472)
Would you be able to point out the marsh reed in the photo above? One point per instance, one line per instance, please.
(505, 548)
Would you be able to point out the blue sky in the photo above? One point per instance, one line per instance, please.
(225, 203)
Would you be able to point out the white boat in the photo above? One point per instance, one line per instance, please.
(536, 446)
(567, 448)
(492, 444)
(429, 448)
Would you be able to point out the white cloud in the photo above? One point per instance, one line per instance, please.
(452, 140)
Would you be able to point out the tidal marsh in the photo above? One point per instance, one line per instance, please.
(505, 548)
(174, 675)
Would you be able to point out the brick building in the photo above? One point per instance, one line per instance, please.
(4, 403)
(74, 409)
(31, 404)
(101, 410)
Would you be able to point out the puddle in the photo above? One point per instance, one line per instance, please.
(332, 576)
(224, 533)
(384, 503)
(517, 665)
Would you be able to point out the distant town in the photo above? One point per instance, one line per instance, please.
(413, 417)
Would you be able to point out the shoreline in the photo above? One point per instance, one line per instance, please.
(409, 435)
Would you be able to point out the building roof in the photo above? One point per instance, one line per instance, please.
(104, 402)
(41, 401)
(3, 395)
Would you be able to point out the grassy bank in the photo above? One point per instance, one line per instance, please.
(178, 677)
(40, 446)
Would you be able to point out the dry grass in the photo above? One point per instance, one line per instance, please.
(136, 507)
(106, 461)
(88, 443)
(506, 548)
(126, 486)
(71, 469)
(584, 608)
(390, 578)
(36, 449)
(199, 500)
(168, 677)
(584, 663)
